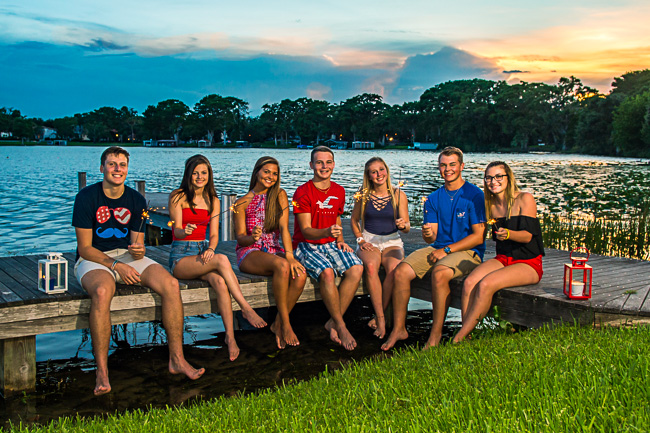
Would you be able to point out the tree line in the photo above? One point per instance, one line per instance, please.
(477, 115)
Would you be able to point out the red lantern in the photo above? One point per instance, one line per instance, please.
(577, 275)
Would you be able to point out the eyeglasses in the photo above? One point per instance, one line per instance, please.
(498, 178)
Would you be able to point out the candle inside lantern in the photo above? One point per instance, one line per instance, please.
(577, 288)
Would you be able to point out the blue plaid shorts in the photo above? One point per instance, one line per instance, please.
(318, 257)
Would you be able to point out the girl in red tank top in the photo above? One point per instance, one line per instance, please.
(262, 219)
(192, 209)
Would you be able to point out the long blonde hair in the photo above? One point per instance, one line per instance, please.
(272, 212)
(367, 187)
(511, 190)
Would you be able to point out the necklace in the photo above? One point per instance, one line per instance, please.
(451, 197)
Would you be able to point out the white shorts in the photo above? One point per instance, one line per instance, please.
(382, 242)
(83, 266)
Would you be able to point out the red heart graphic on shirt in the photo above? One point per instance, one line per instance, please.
(122, 215)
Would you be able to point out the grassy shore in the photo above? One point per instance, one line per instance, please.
(564, 379)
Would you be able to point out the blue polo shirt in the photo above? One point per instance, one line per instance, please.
(455, 217)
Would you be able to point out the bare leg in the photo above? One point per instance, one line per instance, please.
(440, 295)
(161, 282)
(472, 280)
(514, 275)
(286, 291)
(191, 267)
(390, 258)
(337, 302)
(100, 285)
(371, 261)
(403, 275)
(224, 304)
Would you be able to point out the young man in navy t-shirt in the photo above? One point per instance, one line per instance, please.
(454, 228)
(107, 217)
(319, 245)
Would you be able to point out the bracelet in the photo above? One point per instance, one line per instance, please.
(210, 248)
(114, 264)
(508, 235)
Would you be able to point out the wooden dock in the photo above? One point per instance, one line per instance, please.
(620, 294)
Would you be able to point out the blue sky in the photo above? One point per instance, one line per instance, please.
(63, 57)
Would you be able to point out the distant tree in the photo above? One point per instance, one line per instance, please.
(65, 127)
(166, 119)
(355, 115)
(216, 112)
(630, 119)
(131, 120)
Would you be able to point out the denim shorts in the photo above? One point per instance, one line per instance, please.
(182, 249)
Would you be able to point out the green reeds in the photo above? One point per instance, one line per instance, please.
(622, 235)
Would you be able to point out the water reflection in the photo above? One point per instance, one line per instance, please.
(41, 182)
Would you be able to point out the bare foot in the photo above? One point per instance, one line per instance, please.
(276, 328)
(181, 366)
(347, 340)
(289, 336)
(334, 336)
(253, 318)
(233, 349)
(380, 327)
(372, 324)
(433, 341)
(394, 337)
(102, 385)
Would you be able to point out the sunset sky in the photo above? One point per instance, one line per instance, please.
(63, 57)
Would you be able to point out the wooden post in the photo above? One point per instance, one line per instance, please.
(17, 365)
(81, 175)
(227, 225)
(139, 185)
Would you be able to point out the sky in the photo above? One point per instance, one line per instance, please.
(58, 58)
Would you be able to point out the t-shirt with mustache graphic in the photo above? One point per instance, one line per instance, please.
(111, 220)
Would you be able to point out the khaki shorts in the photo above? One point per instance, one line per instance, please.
(461, 262)
(82, 267)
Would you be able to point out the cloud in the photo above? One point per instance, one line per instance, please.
(423, 71)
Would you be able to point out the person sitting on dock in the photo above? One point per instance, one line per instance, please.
(258, 229)
(380, 212)
(108, 218)
(192, 209)
(319, 245)
(518, 236)
(454, 226)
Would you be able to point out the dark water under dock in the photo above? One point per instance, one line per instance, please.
(140, 379)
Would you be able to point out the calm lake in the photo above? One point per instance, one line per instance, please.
(35, 213)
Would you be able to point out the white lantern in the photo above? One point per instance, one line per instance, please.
(53, 274)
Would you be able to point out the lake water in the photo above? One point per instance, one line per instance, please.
(40, 182)
(36, 202)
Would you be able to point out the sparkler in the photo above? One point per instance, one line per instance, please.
(145, 217)
(230, 209)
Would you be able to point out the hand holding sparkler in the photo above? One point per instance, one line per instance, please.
(189, 228)
(256, 233)
(335, 231)
(427, 230)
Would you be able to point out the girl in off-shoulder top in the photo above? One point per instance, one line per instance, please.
(519, 247)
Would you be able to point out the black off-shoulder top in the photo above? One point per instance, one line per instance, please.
(517, 250)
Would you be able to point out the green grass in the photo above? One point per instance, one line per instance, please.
(561, 380)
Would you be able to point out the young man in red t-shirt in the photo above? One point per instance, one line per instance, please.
(318, 243)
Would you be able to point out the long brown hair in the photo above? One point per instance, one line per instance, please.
(511, 189)
(272, 213)
(187, 188)
(367, 187)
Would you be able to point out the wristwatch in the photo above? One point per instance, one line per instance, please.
(360, 238)
(447, 250)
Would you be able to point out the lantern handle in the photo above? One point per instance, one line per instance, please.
(578, 250)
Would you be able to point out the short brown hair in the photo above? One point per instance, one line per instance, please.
(321, 149)
(450, 150)
(114, 150)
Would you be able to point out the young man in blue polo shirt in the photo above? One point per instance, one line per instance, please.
(454, 228)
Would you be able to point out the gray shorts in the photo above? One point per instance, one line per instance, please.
(182, 249)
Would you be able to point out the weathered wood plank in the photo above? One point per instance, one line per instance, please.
(17, 365)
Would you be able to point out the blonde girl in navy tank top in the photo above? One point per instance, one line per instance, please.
(193, 207)
(380, 212)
